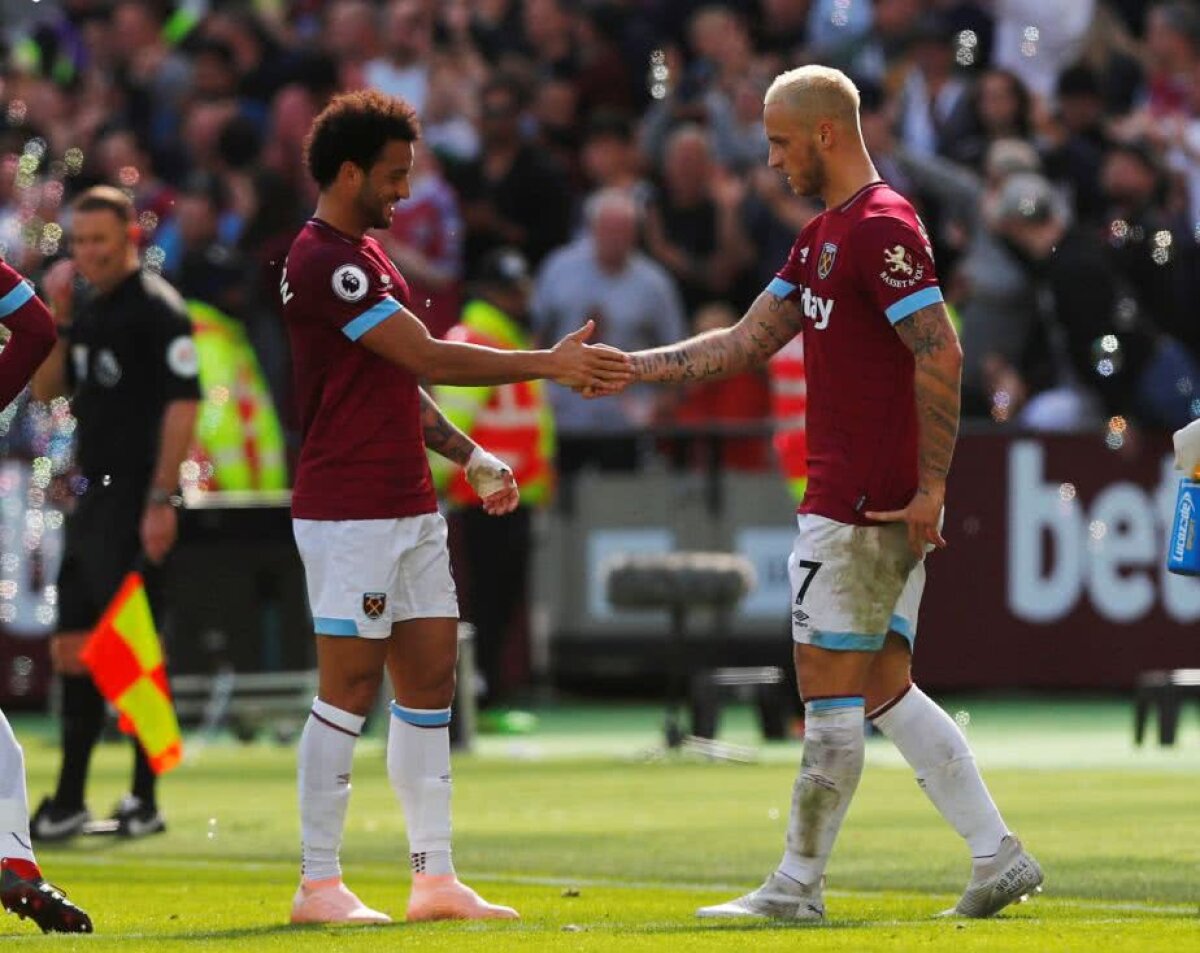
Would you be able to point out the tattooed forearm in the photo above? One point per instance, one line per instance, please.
(930, 336)
(441, 436)
(769, 324)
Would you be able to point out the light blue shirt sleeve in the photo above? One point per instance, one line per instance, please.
(357, 326)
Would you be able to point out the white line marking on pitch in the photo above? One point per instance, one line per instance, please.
(1129, 906)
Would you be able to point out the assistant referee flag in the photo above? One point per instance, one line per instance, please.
(126, 661)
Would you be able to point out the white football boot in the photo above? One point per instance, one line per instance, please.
(779, 898)
(1010, 877)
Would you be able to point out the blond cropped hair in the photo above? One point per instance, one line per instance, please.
(817, 92)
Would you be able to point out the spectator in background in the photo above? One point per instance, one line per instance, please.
(609, 158)
(548, 35)
(1114, 58)
(209, 270)
(12, 246)
(425, 242)
(932, 90)
(206, 124)
(743, 399)
(603, 80)
(712, 90)
(839, 35)
(496, 28)
(263, 65)
(513, 195)
(1091, 355)
(722, 46)
(896, 25)
(555, 115)
(1046, 383)
(292, 112)
(155, 78)
(1143, 247)
(239, 145)
(634, 303)
(214, 72)
(1036, 40)
(1077, 141)
(1172, 53)
(202, 127)
(125, 163)
(988, 288)
(738, 140)
(448, 125)
(403, 69)
(1000, 108)
(269, 229)
(517, 423)
(692, 228)
(784, 29)
(774, 215)
(351, 37)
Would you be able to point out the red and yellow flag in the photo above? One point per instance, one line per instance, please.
(126, 661)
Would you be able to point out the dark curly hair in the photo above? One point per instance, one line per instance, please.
(355, 127)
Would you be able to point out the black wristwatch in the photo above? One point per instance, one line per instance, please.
(160, 497)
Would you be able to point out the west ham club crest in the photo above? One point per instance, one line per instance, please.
(825, 262)
(373, 604)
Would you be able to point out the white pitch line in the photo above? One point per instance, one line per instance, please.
(1081, 903)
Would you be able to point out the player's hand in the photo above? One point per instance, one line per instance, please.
(923, 516)
(577, 364)
(59, 285)
(160, 525)
(493, 480)
(605, 390)
(505, 501)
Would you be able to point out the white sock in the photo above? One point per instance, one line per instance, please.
(937, 750)
(829, 771)
(326, 756)
(14, 804)
(418, 763)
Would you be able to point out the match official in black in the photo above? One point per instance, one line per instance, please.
(126, 358)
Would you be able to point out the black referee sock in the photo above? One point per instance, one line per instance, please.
(83, 716)
(145, 781)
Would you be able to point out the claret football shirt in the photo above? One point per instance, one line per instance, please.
(855, 272)
(363, 451)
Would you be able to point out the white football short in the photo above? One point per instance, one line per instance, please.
(852, 584)
(363, 575)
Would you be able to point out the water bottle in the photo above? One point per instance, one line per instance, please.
(1183, 553)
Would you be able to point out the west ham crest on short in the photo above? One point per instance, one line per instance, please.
(374, 603)
(825, 262)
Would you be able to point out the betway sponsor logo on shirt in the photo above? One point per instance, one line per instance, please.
(816, 308)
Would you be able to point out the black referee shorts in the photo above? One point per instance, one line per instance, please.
(103, 544)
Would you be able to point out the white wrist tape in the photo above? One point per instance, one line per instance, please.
(487, 473)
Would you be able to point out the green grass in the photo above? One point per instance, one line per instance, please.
(643, 842)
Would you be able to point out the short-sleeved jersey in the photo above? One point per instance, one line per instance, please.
(363, 451)
(131, 354)
(855, 271)
(15, 291)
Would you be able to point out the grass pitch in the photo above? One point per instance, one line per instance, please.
(603, 848)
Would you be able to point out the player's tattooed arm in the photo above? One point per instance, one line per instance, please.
(930, 336)
(766, 327)
(441, 436)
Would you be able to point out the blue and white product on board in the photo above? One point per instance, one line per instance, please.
(1183, 555)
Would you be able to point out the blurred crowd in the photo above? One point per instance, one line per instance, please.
(1052, 147)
